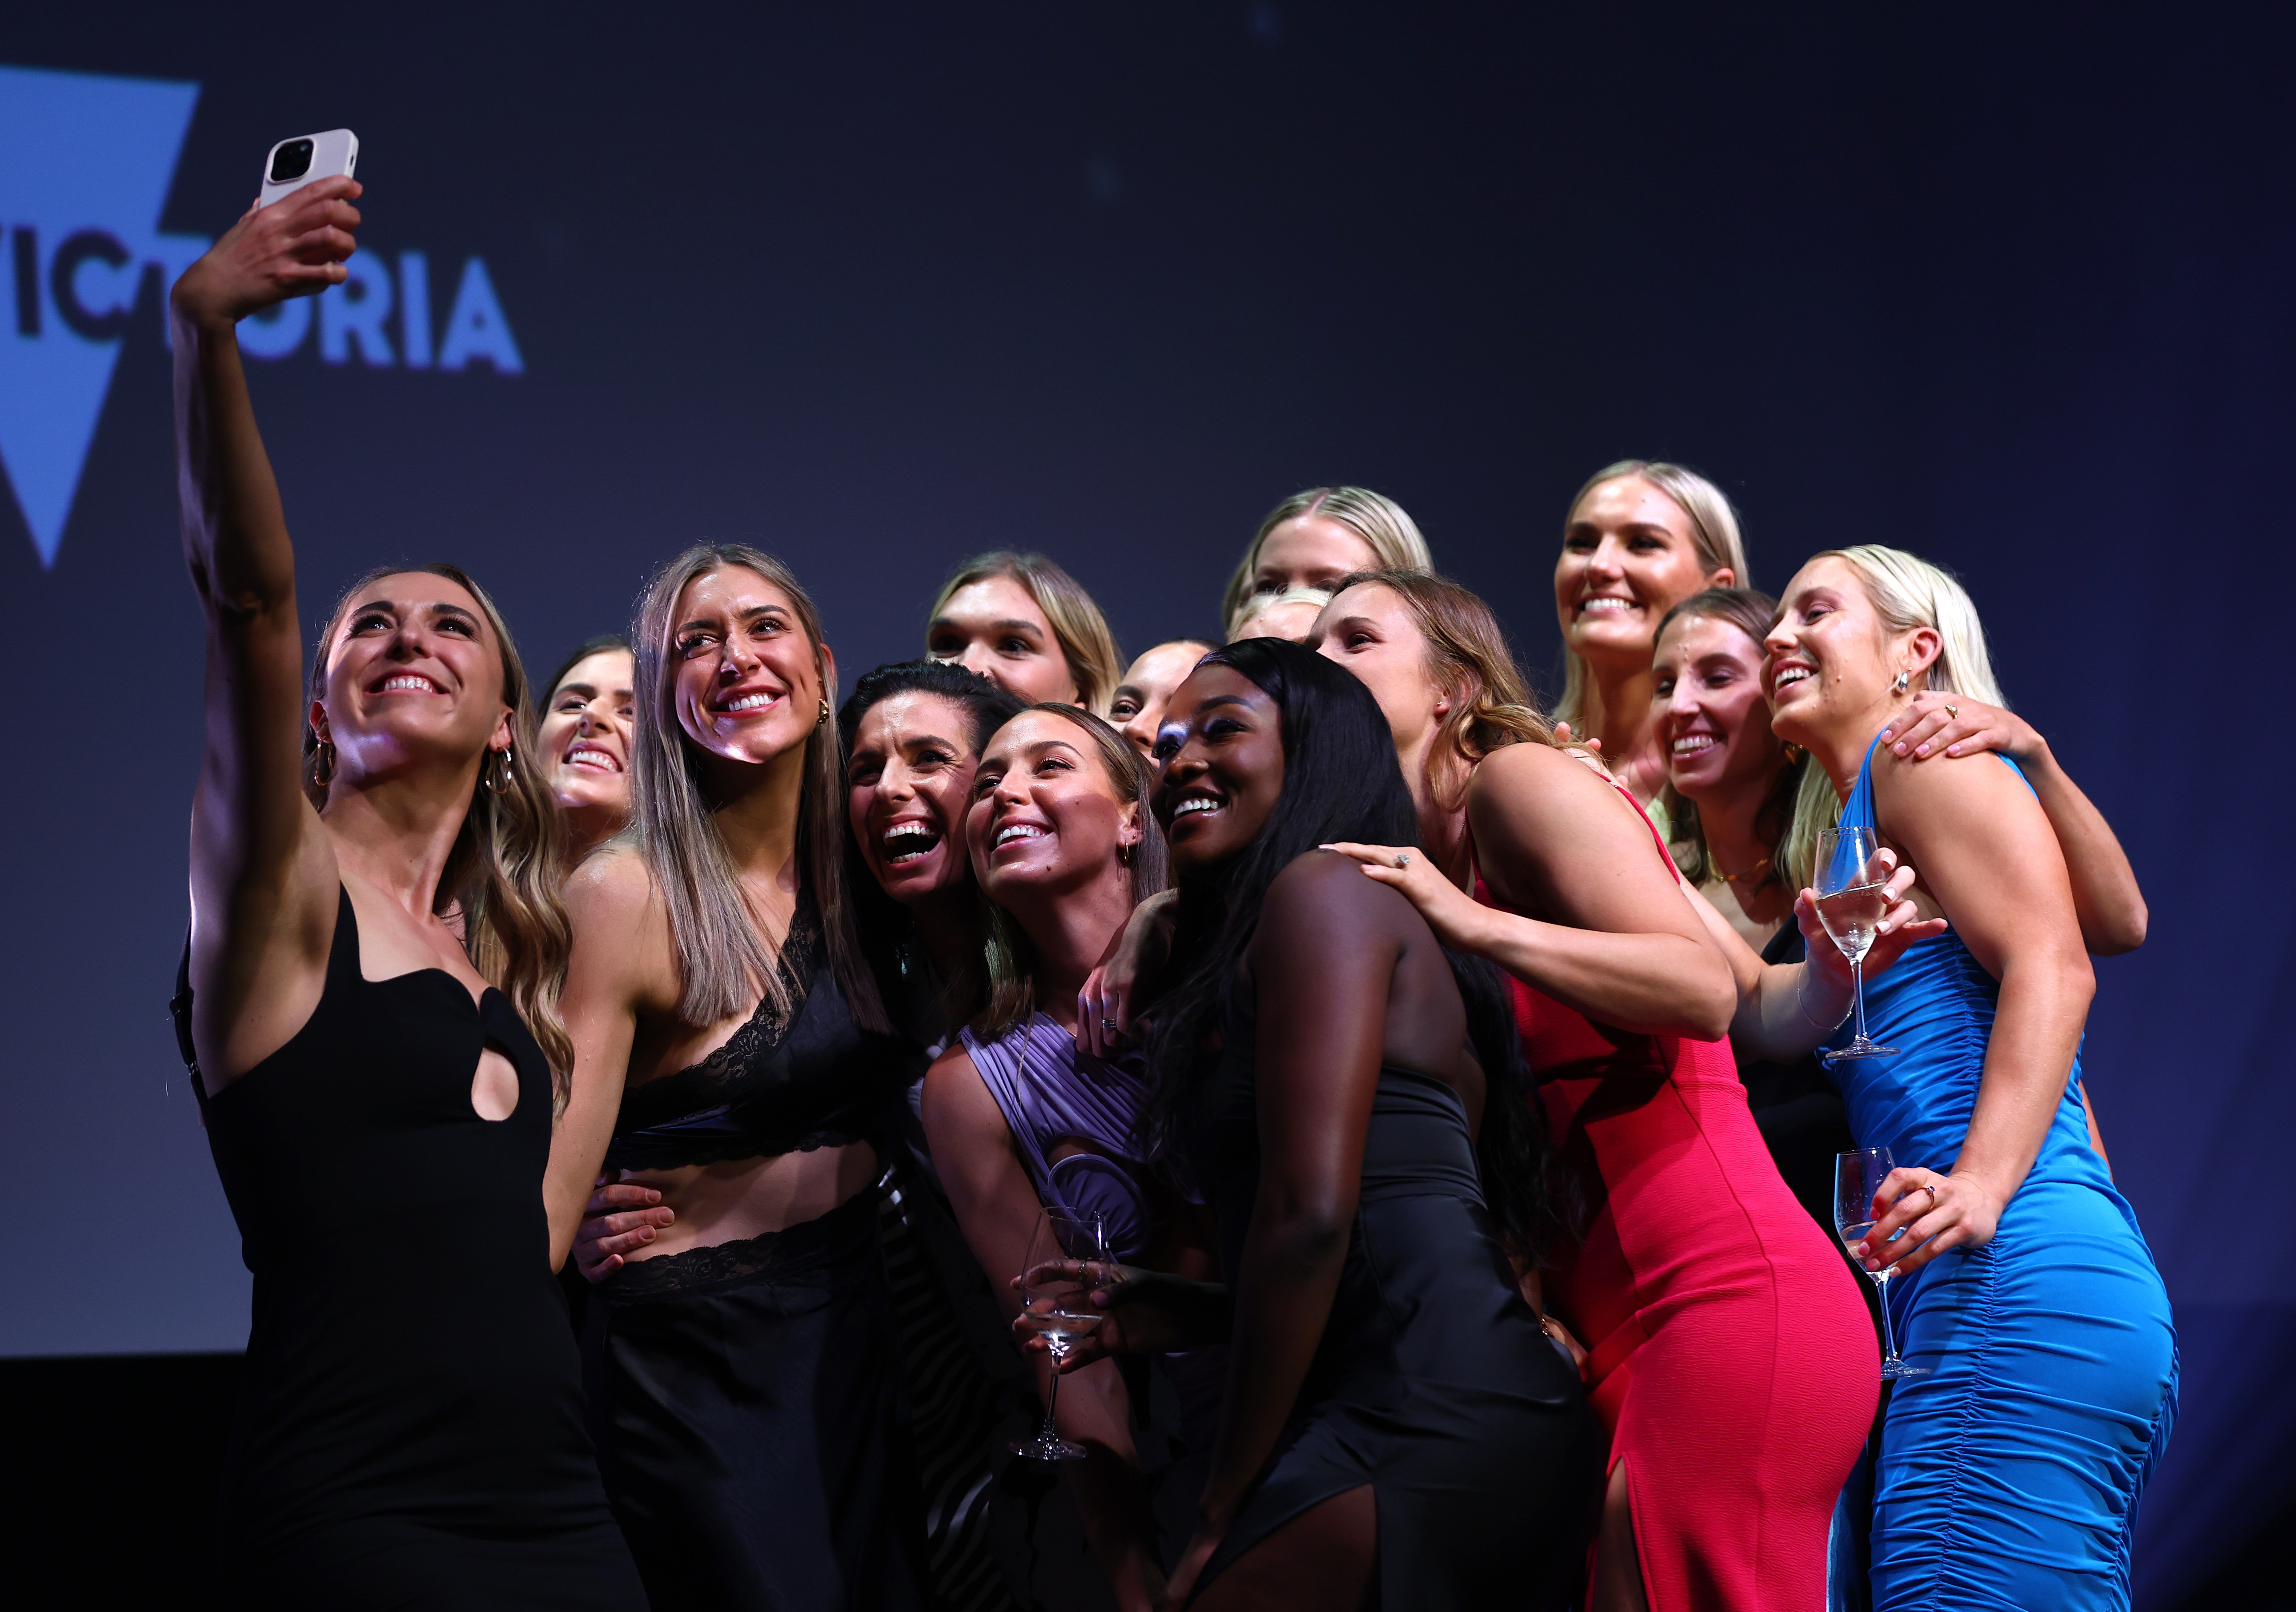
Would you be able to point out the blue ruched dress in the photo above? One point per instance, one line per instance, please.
(2009, 1472)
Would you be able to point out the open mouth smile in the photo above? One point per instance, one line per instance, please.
(406, 682)
(908, 842)
(747, 703)
(583, 753)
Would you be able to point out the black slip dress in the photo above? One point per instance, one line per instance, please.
(1433, 1383)
(412, 1442)
(746, 1396)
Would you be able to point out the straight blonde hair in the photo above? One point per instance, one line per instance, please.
(1086, 644)
(724, 966)
(506, 867)
(1713, 532)
(1385, 527)
(1907, 592)
(1011, 961)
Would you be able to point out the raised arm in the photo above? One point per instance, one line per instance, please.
(2106, 896)
(1321, 964)
(263, 872)
(997, 1208)
(1986, 852)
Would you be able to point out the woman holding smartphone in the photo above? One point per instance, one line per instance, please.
(366, 1072)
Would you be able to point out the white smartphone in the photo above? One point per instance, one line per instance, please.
(295, 163)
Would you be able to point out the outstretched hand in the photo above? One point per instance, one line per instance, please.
(293, 248)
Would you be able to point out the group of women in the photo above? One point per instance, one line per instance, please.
(1439, 1075)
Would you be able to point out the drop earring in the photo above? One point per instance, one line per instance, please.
(322, 764)
(1905, 680)
(824, 717)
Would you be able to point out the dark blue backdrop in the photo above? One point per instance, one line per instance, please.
(876, 286)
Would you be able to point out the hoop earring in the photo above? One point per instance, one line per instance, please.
(1795, 754)
(824, 717)
(1905, 680)
(1123, 853)
(496, 773)
(323, 763)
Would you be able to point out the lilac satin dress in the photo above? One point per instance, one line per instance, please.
(1050, 1092)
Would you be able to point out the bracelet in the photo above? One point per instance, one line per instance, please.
(1801, 1003)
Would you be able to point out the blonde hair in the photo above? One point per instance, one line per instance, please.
(1258, 604)
(1086, 644)
(1386, 528)
(1907, 592)
(1713, 533)
(723, 964)
(1467, 653)
(1011, 994)
(506, 866)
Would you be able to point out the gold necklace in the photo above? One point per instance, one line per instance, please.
(1731, 879)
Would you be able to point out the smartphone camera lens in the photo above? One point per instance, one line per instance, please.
(291, 161)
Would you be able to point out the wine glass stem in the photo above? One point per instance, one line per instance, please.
(1053, 1394)
(1881, 1297)
(1857, 996)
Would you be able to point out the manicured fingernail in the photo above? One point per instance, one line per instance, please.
(1898, 749)
(1923, 748)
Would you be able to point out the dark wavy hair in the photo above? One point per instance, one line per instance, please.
(582, 652)
(884, 924)
(1342, 781)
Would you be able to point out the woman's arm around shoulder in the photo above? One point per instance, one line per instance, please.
(622, 967)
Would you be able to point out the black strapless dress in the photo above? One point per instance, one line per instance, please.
(746, 1396)
(413, 1445)
(1433, 1382)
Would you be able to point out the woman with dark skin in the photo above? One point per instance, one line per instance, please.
(1396, 1431)
(364, 1068)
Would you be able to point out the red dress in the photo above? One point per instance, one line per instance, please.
(1728, 1349)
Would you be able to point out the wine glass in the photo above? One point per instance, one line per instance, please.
(1058, 1308)
(1853, 896)
(1857, 1177)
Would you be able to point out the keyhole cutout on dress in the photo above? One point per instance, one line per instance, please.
(494, 1085)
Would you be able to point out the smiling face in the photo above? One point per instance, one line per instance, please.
(1046, 817)
(1371, 631)
(1629, 556)
(585, 737)
(994, 627)
(1138, 707)
(907, 785)
(1222, 750)
(1708, 712)
(415, 676)
(1309, 551)
(1832, 660)
(745, 685)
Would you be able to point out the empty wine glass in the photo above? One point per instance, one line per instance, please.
(1058, 1308)
(1857, 1177)
(1853, 896)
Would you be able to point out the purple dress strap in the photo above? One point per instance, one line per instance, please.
(1049, 1091)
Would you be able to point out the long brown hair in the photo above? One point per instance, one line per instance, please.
(1467, 653)
(1751, 610)
(1086, 644)
(506, 866)
(1011, 995)
(723, 964)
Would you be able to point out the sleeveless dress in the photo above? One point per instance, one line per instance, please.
(1727, 1349)
(2009, 1474)
(745, 1396)
(398, 1446)
(1432, 1382)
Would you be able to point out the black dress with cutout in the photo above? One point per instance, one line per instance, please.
(416, 1440)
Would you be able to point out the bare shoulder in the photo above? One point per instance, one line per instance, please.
(1323, 894)
(1992, 791)
(1526, 779)
(612, 886)
(958, 1111)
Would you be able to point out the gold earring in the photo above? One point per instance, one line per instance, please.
(496, 773)
(824, 717)
(322, 764)
(1794, 753)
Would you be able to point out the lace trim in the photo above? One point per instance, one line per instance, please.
(708, 1082)
(842, 1235)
